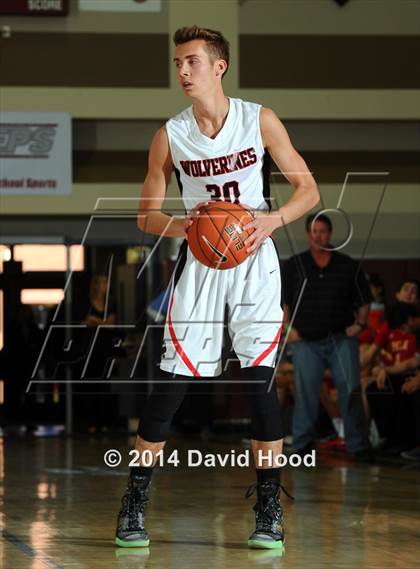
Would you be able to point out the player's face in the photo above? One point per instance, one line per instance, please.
(319, 235)
(408, 293)
(196, 72)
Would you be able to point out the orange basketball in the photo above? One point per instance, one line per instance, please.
(216, 236)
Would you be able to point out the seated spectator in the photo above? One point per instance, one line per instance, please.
(408, 413)
(394, 348)
(381, 371)
(408, 293)
(411, 388)
(376, 314)
(375, 319)
(285, 382)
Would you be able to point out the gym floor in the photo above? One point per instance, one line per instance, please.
(60, 503)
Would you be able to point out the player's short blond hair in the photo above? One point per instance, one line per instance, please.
(217, 45)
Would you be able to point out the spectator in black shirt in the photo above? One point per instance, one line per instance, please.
(330, 314)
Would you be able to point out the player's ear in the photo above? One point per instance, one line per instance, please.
(221, 67)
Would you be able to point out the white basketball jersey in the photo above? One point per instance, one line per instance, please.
(228, 167)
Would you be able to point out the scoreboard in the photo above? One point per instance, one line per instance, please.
(34, 7)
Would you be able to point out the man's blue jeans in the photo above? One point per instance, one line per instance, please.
(310, 357)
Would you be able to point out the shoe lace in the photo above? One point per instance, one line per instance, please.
(251, 489)
(269, 513)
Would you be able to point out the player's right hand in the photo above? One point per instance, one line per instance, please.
(192, 214)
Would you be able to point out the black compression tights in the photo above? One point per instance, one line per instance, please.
(166, 398)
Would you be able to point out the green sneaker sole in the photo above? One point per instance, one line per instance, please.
(257, 544)
(138, 543)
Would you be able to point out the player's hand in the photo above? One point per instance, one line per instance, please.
(187, 223)
(189, 219)
(263, 224)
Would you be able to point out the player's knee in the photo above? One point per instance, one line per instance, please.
(267, 426)
(268, 422)
(154, 429)
(163, 403)
(266, 417)
(155, 422)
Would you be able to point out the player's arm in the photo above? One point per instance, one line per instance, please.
(150, 217)
(276, 140)
(305, 190)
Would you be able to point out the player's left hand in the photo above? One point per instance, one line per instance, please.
(264, 224)
(195, 212)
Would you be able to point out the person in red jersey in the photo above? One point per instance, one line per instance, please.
(411, 388)
(408, 293)
(376, 314)
(385, 394)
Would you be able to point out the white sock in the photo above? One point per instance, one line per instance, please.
(339, 426)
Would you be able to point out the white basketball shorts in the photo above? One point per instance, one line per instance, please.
(193, 334)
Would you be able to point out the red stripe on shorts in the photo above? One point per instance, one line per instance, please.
(177, 345)
(269, 349)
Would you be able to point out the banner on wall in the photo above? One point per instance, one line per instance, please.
(35, 154)
(34, 7)
(120, 5)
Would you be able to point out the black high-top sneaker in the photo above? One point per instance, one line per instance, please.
(130, 528)
(269, 533)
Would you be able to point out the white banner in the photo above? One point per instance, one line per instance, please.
(35, 153)
(120, 5)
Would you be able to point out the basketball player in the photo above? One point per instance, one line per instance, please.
(216, 148)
